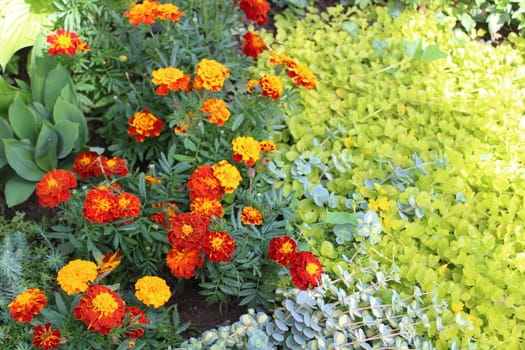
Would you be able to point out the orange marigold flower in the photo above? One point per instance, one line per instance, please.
(207, 207)
(219, 246)
(88, 164)
(27, 304)
(246, 149)
(136, 318)
(99, 206)
(256, 10)
(169, 209)
(181, 128)
(142, 13)
(203, 184)
(305, 270)
(45, 337)
(251, 216)
(182, 262)
(217, 111)
(253, 45)
(152, 180)
(74, 277)
(271, 86)
(169, 79)
(169, 12)
(152, 291)
(108, 263)
(53, 187)
(228, 175)
(210, 75)
(267, 146)
(188, 230)
(302, 76)
(280, 59)
(65, 43)
(281, 249)
(114, 166)
(128, 206)
(251, 84)
(100, 308)
(144, 124)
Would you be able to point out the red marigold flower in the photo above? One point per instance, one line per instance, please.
(144, 124)
(128, 206)
(251, 216)
(256, 10)
(169, 79)
(207, 207)
(253, 45)
(45, 337)
(114, 166)
(203, 184)
(247, 149)
(188, 230)
(136, 317)
(228, 175)
(271, 86)
(99, 206)
(305, 270)
(219, 246)
(53, 187)
(88, 164)
(302, 76)
(183, 261)
(168, 11)
(210, 75)
(100, 308)
(171, 209)
(217, 111)
(281, 249)
(65, 43)
(27, 304)
(142, 13)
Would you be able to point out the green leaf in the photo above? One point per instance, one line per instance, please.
(20, 157)
(327, 249)
(5, 133)
(7, 95)
(412, 49)
(23, 120)
(41, 64)
(67, 132)
(17, 190)
(351, 28)
(56, 81)
(495, 21)
(65, 110)
(46, 148)
(337, 218)
(432, 53)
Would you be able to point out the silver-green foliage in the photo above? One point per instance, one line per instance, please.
(13, 251)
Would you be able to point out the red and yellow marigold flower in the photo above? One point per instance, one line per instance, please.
(256, 10)
(253, 45)
(114, 166)
(216, 111)
(168, 12)
(281, 249)
(53, 187)
(170, 209)
(127, 206)
(305, 270)
(88, 164)
(27, 304)
(302, 76)
(210, 75)
(188, 230)
(100, 308)
(246, 149)
(152, 291)
(99, 205)
(152, 180)
(108, 263)
(75, 276)
(144, 124)
(207, 207)
(136, 318)
(219, 246)
(281, 59)
(181, 128)
(251, 216)
(228, 175)
(271, 86)
(182, 262)
(169, 79)
(251, 85)
(142, 13)
(202, 183)
(45, 337)
(267, 146)
(63, 42)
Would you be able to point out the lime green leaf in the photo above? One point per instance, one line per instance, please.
(431, 53)
(327, 249)
(20, 157)
(412, 49)
(17, 190)
(337, 217)
(46, 148)
(23, 120)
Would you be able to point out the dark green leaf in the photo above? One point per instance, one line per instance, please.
(56, 80)
(46, 148)
(17, 190)
(23, 120)
(67, 132)
(20, 157)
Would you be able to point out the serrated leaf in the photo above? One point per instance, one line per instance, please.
(18, 190)
(20, 157)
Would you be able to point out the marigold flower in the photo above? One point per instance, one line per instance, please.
(65, 43)
(302, 76)
(281, 59)
(128, 206)
(169, 12)
(251, 85)
(27, 304)
(170, 208)
(251, 216)
(108, 263)
(188, 230)
(228, 175)
(152, 180)
(100, 308)
(253, 45)
(99, 206)
(169, 79)
(256, 10)
(281, 249)
(267, 146)
(45, 337)
(203, 184)
(114, 166)
(53, 187)
(210, 75)
(181, 128)
(219, 246)
(144, 124)
(74, 277)
(183, 261)
(88, 164)
(136, 317)
(305, 270)
(207, 207)
(271, 86)
(246, 149)
(152, 291)
(142, 13)
(217, 111)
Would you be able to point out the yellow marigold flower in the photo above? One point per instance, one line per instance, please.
(280, 59)
(251, 216)
(271, 86)
(169, 79)
(144, 124)
(216, 110)
(246, 149)
(169, 11)
(152, 291)
(457, 306)
(251, 84)
(210, 75)
(74, 277)
(302, 76)
(142, 13)
(267, 146)
(228, 175)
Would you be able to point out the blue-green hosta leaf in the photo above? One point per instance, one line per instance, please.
(18, 190)
(7, 94)
(23, 120)
(20, 157)
(46, 147)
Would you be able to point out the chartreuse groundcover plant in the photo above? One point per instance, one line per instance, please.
(410, 147)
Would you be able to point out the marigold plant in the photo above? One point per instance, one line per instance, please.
(149, 11)
(282, 249)
(210, 75)
(202, 183)
(45, 337)
(188, 230)
(88, 164)
(27, 304)
(63, 42)
(253, 45)
(216, 111)
(251, 216)
(267, 146)
(271, 86)
(144, 124)
(114, 166)
(99, 205)
(207, 207)
(302, 76)
(169, 208)
(305, 270)
(228, 175)
(246, 149)
(170, 79)
(256, 10)
(219, 246)
(53, 187)
(74, 277)
(136, 318)
(152, 291)
(183, 261)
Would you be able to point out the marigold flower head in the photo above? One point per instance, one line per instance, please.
(246, 149)
(152, 180)
(216, 110)
(305, 270)
(251, 85)
(271, 86)
(99, 205)
(253, 45)
(207, 207)
(100, 308)
(152, 291)
(136, 317)
(210, 75)
(251, 216)
(27, 304)
(45, 337)
(63, 42)
(170, 209)
(219, 246)
(302, 76)
(53, 187)
(168, 12)
(88, 164)
(144, 124)
(109, 262)
(228, 175)
(169, 79)
(256, 10)
(281, 249)
(188, 230)
(114, 166)
(128, 206)
(202, 183)
(267, 146)
(183, 126)
(182, 261)
(142, 13)
(74, 277)
(281, 59)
